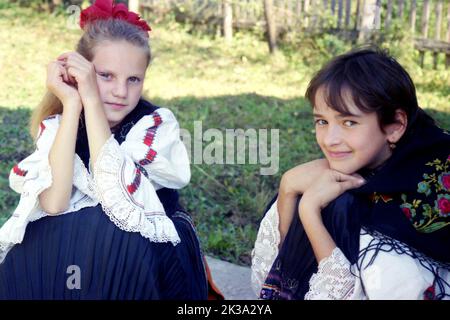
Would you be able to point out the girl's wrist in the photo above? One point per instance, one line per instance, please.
(308, 207)
(72, 108)
(92, 103)
(286, 190)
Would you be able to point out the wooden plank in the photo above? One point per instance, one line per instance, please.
(314, 17)
(306, 10)
(358, 14)
(298, 13)
(378, 7)
(227, 20)
(425, 18)
(401, 5)
(340, 13)
(368, 19)
(437, 35)
(289, 12)
(271, 26)
(412, 16)
(388, 20)
(447, 56)
(447, 37)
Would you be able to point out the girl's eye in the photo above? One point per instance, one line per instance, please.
(105, 76)
(134, 80)
(349, 123)
(320, 122)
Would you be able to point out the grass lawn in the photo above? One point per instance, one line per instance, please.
(201, 79)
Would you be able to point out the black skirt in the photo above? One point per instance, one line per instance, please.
(83, 255)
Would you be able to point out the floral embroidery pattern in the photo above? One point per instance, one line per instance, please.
(431, 213)
(377, 197)
(430, 293)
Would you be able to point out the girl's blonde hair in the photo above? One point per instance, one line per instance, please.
(94, 34)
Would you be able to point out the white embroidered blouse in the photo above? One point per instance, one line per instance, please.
(390, 276)
(123, 180)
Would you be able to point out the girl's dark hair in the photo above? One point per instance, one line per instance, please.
(375, 81)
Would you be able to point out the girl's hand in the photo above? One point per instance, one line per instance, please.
(60, 84)
(298, 179)
(83, 73)
(330, 185)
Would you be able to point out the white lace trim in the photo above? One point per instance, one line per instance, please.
(266, 248)
(123, 211)
(333, 280)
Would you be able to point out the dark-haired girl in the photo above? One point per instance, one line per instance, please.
(372, 219)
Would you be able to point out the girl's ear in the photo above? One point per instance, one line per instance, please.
(395, 131)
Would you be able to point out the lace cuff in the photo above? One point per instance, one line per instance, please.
(37, 179)
(139, 212)
(266, 248)
(333, 280)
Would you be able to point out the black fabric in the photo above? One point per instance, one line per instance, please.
(383, 205)
(120, 131)
(113, 264)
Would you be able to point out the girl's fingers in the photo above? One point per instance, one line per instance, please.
(63, 73)
(347, 181)
(73, 59)
(351, 184)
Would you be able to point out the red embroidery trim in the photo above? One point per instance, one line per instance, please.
(19, 171)
(150, 155)
(41, 129)
(136, 182)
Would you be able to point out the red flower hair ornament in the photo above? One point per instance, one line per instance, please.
(107, 9)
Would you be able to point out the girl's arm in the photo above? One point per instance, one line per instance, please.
(293, 184)
(325, 189)
(56, 198)
(97, 126)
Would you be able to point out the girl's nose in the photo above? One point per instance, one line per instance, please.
(333, 136)
(120, 90)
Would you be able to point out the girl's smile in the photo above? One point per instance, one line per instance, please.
(350, 141)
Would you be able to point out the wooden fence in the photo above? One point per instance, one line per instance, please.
(354, 18)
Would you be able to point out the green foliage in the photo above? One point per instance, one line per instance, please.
(15, 144)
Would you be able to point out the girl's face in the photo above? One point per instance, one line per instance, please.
(120, 68)
(349, 142)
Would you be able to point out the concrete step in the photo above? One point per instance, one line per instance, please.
(231, 279)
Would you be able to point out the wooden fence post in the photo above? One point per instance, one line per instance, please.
(447, 56)
(387, 22)
(271, 25)
(340, 13)
(412, 18)
(425, 19)
(368, 20)
(348, 8)
(437, 35)
(227, 20)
